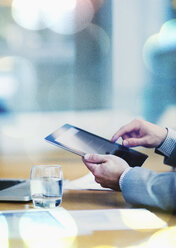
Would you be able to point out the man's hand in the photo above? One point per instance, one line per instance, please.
(107, 169)
(141, 133)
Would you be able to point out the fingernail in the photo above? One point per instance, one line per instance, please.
(86, 156)
(125, 143)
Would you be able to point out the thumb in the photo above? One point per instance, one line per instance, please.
(95, 158)
(92, 167)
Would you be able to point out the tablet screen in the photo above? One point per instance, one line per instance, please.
(81, 142)
(37, 228)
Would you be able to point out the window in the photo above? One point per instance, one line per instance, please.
(144, 57)
(94, 63)
(55, 55)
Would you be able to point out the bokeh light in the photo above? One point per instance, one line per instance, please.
(8, 84)
(105, 246)
(68, 18)
(64, 17)
(4, 232)
(100, 38)
(163, 238)
(174, 4)
(159, 51)
(141, 219)
(17, 77)
(44, 232)
(28, 14)
(167, 35)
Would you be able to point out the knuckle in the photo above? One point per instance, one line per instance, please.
(121, 130)
(147, 142)
(96, 173)
(103, 185)
(93, 157)
(133, 142)
(110, 157)
(97, 180)
(137, 121)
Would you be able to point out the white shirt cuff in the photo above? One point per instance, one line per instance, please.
(169, 143)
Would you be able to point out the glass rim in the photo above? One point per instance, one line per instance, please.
(47, 166)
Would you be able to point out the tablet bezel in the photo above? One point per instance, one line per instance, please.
(53, 136)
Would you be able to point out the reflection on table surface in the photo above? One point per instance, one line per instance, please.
(19, 167)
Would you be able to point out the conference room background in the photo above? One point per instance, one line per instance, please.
(88, 56)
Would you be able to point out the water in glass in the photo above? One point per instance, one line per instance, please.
(46, 192)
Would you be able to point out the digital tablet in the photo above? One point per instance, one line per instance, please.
(80, 142)
(37, 227)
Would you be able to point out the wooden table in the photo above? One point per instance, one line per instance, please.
(19, 166)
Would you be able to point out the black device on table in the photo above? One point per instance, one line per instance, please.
(80, 142)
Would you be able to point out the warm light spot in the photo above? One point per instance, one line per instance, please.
(3, 232)
(141, 219)
(8, 83)
(165, 238)
(59, 6)
(42, 230)
(174, 4)
(139, 245)
(6, 64)
(28, 14)
(105, 246)
(64, 17)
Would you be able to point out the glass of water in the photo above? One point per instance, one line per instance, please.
(46, 186)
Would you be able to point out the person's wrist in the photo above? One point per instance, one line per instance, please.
(163, 137)
(122, 176)
(168, 144)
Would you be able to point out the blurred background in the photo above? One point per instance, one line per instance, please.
(96, 64)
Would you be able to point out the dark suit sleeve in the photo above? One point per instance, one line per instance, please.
(146, 187)
(168, 147)
(171, 160)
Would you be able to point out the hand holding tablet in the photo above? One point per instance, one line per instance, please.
(80, 142)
